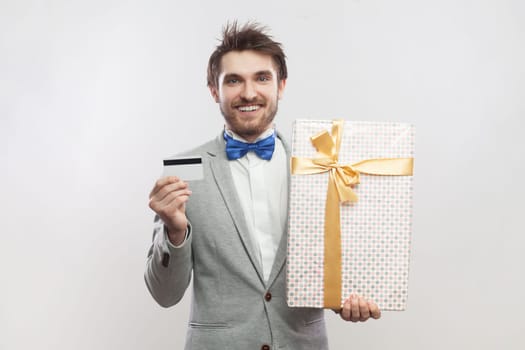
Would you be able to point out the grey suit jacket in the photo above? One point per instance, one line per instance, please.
(232, 306)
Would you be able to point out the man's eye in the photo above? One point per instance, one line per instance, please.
(263, 78)
(232, 81)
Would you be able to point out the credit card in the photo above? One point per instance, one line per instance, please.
(186, 168)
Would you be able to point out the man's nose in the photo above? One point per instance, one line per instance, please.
(248, 91)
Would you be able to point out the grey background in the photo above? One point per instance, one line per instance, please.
(94, 93)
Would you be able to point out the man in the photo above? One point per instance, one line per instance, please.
(230, 228)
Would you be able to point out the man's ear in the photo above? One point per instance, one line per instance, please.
(214, 93)
(280, 88)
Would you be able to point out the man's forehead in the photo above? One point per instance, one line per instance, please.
(247, 62)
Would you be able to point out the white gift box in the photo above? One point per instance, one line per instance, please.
(375, 230)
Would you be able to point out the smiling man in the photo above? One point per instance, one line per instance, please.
(247, 97)
(229, 230)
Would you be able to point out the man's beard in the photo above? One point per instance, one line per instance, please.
(246, 129)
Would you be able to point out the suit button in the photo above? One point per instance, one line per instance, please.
(265, 347)
(268, 297)
(165, 259)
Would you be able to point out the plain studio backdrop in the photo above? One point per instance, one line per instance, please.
(93, 94)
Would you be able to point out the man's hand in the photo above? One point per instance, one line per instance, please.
(168, 199)
(357, 309)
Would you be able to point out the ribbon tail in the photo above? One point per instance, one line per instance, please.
(386, 166)
(332, 248)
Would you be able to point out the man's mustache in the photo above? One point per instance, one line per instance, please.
(244, 102)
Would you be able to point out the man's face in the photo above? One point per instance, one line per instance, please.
(248, 92)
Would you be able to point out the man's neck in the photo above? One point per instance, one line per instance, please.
(251, 139)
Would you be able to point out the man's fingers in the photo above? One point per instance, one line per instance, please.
(374, 310)
(345, 312)
(357, 308)
(158, 194)
(364, 311)
(171, 189)
(176, 199)
(355, 315)
(161, 183)
(171, 202)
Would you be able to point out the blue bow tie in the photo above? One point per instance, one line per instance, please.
(237, 149)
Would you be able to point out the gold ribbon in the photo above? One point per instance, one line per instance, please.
(341, 180)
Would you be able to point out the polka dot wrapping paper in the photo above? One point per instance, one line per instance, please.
(375, 230)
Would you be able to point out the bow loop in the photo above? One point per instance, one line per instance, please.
(324, 144)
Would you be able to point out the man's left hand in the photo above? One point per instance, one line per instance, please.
(357, 309)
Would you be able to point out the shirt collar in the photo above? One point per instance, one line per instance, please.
(264, 135)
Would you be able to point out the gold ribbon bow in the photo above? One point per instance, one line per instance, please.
(341, 180)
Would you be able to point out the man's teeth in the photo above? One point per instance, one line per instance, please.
(248, 108)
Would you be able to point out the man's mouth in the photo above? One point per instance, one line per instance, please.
(249, 108)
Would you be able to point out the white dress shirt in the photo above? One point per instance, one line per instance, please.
(262, 187)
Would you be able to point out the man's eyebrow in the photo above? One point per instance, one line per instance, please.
(231, 75)
(258, 73)
(264, 72)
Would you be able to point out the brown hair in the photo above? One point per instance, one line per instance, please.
(251, 36)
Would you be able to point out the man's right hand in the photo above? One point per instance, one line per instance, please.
(168, 199)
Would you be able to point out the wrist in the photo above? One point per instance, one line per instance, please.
(176, 237)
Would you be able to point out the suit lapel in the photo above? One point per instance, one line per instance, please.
(280, 256)
(224, 180)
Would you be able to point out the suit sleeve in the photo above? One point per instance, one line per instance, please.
(168, 268)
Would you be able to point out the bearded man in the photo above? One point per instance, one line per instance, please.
(229, 229)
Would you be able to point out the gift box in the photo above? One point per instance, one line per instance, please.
(350, 213)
